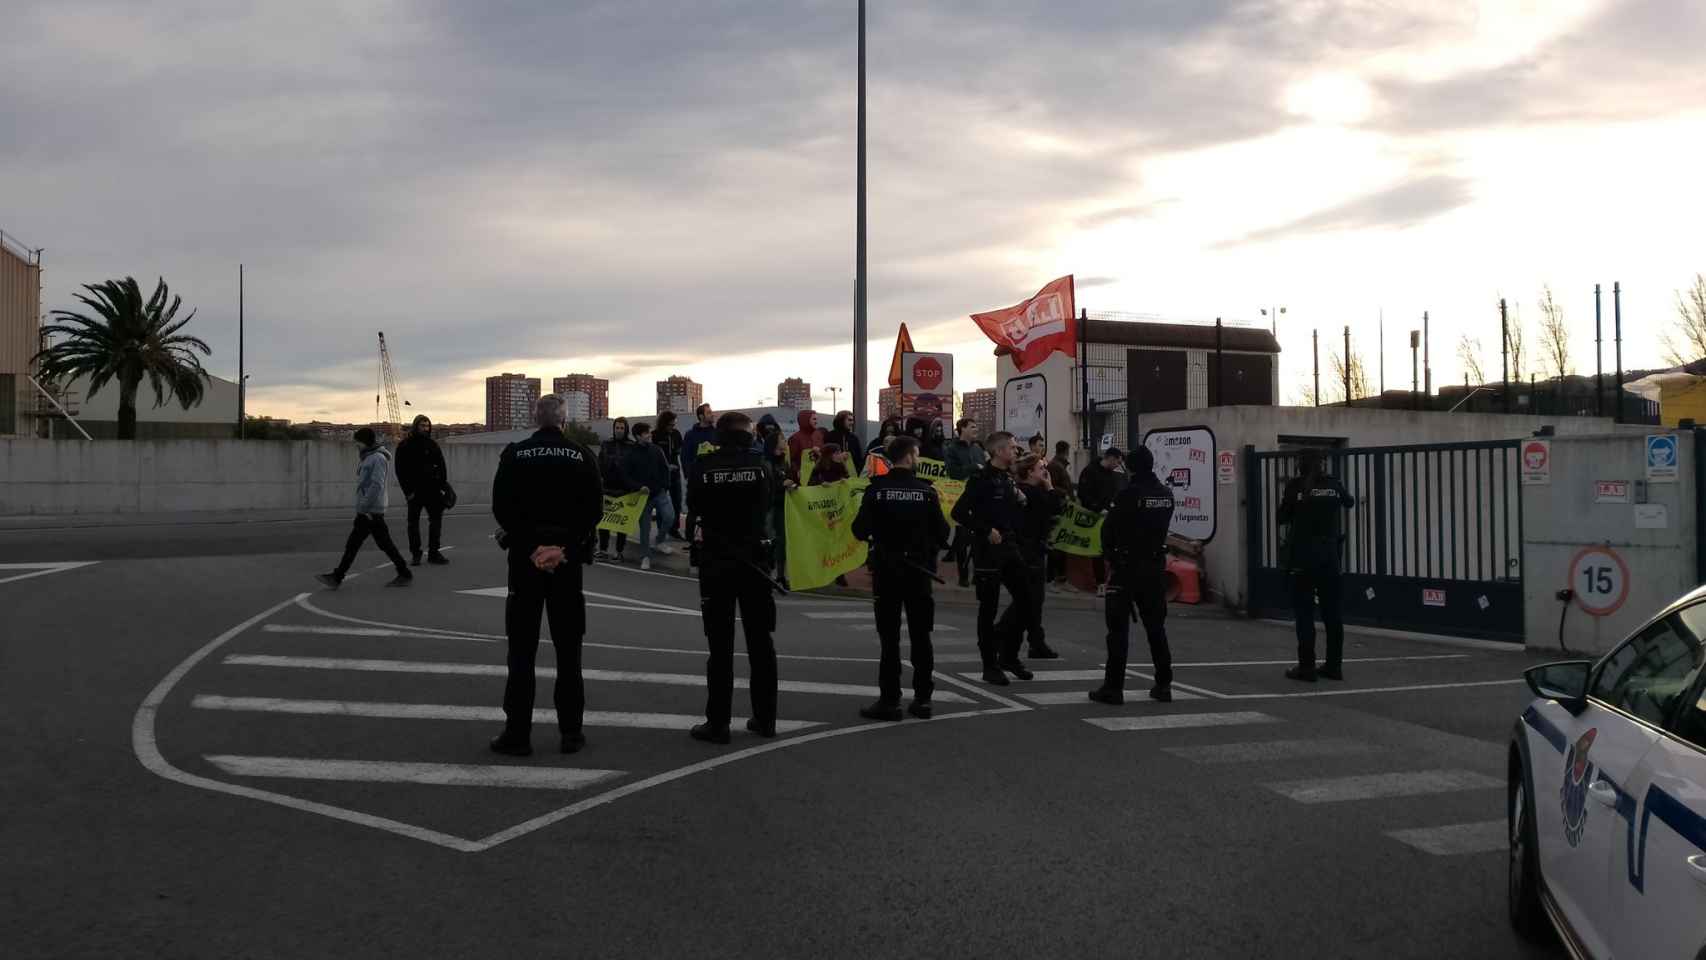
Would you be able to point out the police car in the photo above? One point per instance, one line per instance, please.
(1607, 797)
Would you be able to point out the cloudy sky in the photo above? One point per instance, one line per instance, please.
(639, 188)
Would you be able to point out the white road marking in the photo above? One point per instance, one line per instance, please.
(1046, 676)
(1458, 838)
(1177, 686)
(625, 603)
(1176, 721)
(42, 569)
(500, 670)
(961, 658)
(1293, 660)
(1373, 786)
(436, 774)
(452, 711)
(1269, 750)
(370, 632)
(606, 565)
(870, 625)
(842, 615)
(1056, 697)
(1352, 691)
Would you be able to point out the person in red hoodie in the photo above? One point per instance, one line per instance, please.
(809, 437)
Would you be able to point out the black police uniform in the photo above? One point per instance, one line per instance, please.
(1134, 541)
(1042, 507)
(729, 499)
(1311, 505)
(902, 517)
(992, 501)
(547, 492)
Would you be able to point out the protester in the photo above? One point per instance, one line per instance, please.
(1042, 505)
(422, 475)
(669, 440)
(1039, 447)
(808, 437)
(647, 467)
(963, 458)
(770, 446)
(841, 433)
(1098, 485)
(372, 480)
(613, 467)
(936, 444)
(701, 438)
(833, 464)
(1060, 474)
(888, 431)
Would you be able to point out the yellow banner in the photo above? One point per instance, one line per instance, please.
(622, 514)
(947, 490)
(819, 524)
(1078, 531)
(808, 463)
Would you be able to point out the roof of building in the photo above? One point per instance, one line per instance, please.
(1190, 336)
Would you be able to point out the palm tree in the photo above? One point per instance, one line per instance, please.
(126, 340)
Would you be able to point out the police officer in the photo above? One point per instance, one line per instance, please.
(729, 500)
(1311, 505)
(902, 517)
(992, 508)
(1134, 542)
(547, 498)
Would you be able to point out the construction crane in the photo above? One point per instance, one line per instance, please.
(388, 388)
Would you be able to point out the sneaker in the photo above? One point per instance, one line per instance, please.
(573, 742)
(1017, 669)
(666, 551)
(994, 676)
(620, 556)
(707, 733)
(402, 579)
(764, 728)
(1301, 674)
(645, 563)
(1112, 698)
(503, 744)
(919, 708)
(331, 581)
(881, 710)
(1042, 651)
(602, 556)
(1330, 673)
(437, 559)
(1161, 694)
(414, 559)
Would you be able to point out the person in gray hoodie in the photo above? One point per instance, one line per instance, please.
(372, 482)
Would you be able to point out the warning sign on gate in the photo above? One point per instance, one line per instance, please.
(1226, 468)
(1537, 461)
(1432, 597)
(1600, 580)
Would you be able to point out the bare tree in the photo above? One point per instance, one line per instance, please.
(1687, 343)
(1554, 336)
(1335, 392)
(1469, 354)
(1514, 343)
(1306, 393)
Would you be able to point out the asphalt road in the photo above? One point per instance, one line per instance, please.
(210, 757)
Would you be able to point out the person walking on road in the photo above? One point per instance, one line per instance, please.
(670, 441)
(547, 498)
(729, 498)
(1311, 506)
(372, 483)
(963, 458)
(1043, 506)
(647, 467)
(841, 433)
(613, 457)
(901, 515)
(1134, 539)
(422, 475)
(992, 508)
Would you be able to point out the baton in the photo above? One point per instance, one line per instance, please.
(755, 568)
(919, 567)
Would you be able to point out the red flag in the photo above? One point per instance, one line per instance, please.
(1036, 328)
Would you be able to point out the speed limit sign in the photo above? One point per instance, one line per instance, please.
(1600, 580)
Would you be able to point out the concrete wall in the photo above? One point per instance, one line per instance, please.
(1262, 427)
(69, 477)
(1561, 518)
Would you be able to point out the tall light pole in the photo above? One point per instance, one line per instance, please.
(1273, 314)
(834, 397)
(861, 405)
(242, 378)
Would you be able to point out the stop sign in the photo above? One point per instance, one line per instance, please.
(927, 373)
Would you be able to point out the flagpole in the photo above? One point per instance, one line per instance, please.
(861, 404)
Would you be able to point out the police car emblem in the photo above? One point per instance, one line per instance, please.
(1578, 773)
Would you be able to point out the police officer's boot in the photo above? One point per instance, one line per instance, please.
(764, 728)
(1301, 673)
(1108, 695)
(993, 675)
(511, 746)
(708, 733)
(1329, 671)
(882, 710)
(1161, 694)
(919, 708)
(573, 742)
(1017, 669)
(1042, 651)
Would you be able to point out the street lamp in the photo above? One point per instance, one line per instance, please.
(1273, 315)
(835, 397)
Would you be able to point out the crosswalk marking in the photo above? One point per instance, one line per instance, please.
(961, 658)
(1175, 721)
(871, 625)
(1046, 676)
(1293, 660)
(369, 632)
(1049, 698)
(1269, 750)
(447, 711)
(499, 670)
(41, 569)
(436, 774)
(1376, 786)
(839, 615)
(1457, 838)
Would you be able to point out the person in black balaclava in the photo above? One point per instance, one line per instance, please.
(1311, 506)
(613, 456)
(422, 475)
(841, 433)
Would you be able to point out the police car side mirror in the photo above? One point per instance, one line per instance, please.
(1565, 681)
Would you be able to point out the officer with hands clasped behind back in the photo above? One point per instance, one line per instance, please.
(547, 498)
(729, 499)
(1134, 541)
(1311, 505)
(992, 508)
(902, 517)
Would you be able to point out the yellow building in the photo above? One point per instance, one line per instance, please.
(20, 334)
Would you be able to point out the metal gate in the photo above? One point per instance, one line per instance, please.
(1434, 544)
